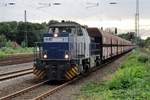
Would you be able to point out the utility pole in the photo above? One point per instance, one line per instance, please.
(25, 20)
(137, 20)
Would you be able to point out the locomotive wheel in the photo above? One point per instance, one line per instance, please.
(98, 62)
(86, 68)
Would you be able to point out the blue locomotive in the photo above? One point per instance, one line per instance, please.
(69, 49)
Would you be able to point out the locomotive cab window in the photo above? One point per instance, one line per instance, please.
(61, 30)
(51, 30)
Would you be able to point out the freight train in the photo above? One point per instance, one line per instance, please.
(69, 49)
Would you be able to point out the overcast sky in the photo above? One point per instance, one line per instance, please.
(120, 15)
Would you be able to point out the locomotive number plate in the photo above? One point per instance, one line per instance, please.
(56, 39)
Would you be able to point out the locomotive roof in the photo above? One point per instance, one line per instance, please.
(65, 24)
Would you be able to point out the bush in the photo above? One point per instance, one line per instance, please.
(3, 55)
(8, 44)
(143, 58)
(3, 40)
(6, 51)
(130, 82)
(23, 44)
(126, 78)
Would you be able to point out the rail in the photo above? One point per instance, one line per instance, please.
(10, 96)
(9, 75)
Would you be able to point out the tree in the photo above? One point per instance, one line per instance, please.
(16, 31)
(128, 36)
(3, 40)
(147, 42)
(4, 28)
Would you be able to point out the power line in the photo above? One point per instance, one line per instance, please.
(7, 4)
(44, 5)
(91, 5)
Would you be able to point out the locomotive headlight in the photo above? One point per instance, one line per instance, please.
(45, 56)
(66, 56)
(55, 35)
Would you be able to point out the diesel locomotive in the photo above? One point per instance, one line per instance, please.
(69, 49)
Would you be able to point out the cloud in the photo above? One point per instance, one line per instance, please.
(120, 15)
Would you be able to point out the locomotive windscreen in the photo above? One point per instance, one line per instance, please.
(56, 42)
(61, 29)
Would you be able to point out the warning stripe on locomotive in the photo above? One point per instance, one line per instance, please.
(39, 73)
(71, 73)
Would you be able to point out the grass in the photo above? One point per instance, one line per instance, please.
(8, 51)
(130, 82)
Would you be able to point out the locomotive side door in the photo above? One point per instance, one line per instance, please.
(83, 49)
(86, 43)
(83, 43)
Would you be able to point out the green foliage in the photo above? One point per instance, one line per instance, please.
(143, 58)
(134, 39)
(3, 55)
(8, 44)
(126, 78)
(130, 82)
(7, 51)
(147, 42)
(128, 36)
(4, 28)
(3, 40)
(23, 44)
(16, 31)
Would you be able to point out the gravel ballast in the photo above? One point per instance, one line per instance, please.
(16, 84)
(67, 93)
(71, 91)
(11, 68)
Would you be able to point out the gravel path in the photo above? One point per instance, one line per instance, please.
(71, 91)
(10, 68)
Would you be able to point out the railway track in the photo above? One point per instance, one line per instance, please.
(52, 91)
(48, 92)
(9, 75)
(10, 96)
(16, 59)
(43, 95)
